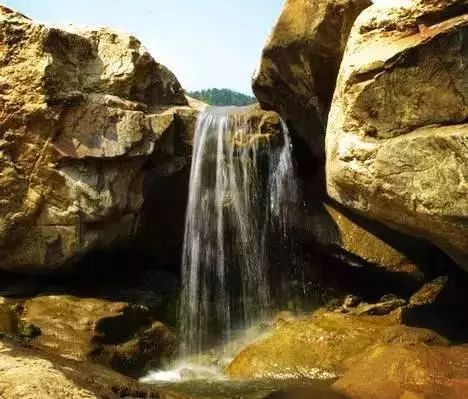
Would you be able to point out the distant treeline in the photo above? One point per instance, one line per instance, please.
(222, 97)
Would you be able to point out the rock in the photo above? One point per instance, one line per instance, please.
(381, 308)
(430, 292)
(116, 334)
(85, 116)
(28, 374)
(8, 319)
(354, 305)
(318, 347)
(145, 351)
(401, 260)
(441, 305)
(396, 145)
(351, 301)
(28, 330)
(398, 371)
(300, 63)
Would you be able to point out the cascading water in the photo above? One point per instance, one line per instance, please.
(243, 200)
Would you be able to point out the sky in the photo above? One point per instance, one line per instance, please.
(206, 43)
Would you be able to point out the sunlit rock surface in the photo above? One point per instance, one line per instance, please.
(319, 346)
(83, 116)
(30, 374)
(297, 73)
(296, 77)
(397, 138)
(399, 371)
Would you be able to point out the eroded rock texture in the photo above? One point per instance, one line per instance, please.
(83, 116)
(31, 374)
(300, 63)
(397, 140)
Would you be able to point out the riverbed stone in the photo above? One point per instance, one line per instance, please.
(397, 135)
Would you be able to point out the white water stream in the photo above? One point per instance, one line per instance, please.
(239, 259)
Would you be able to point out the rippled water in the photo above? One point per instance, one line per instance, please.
(261, 389)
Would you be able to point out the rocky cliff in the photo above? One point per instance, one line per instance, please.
(85, 117)
(299, 64)
(397, 137)
(297, 77)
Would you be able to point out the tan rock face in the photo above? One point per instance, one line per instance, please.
(300, 63)
(320, 346)
(30, 374)
(81, 115)
(396, 141)
(399, 371)
(36, 378)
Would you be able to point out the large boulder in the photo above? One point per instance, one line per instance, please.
(30, 374)
(116, 334)
(319, 346)
(115, 320)
(84, 115)
(397, 138)
(300, 63)
(297, 77)
(400, 371)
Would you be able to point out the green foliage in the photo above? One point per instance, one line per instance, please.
(222, 97)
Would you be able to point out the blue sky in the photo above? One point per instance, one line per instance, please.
(206, 43)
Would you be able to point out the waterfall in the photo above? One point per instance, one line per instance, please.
(237, 255)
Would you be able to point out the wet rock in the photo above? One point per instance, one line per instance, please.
(396, 144)
(86, 116)
(115, 334)
(145, 350)
(318, 347)
(254, 128)
(300, 63)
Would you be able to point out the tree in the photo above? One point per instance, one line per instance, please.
(222, 97)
